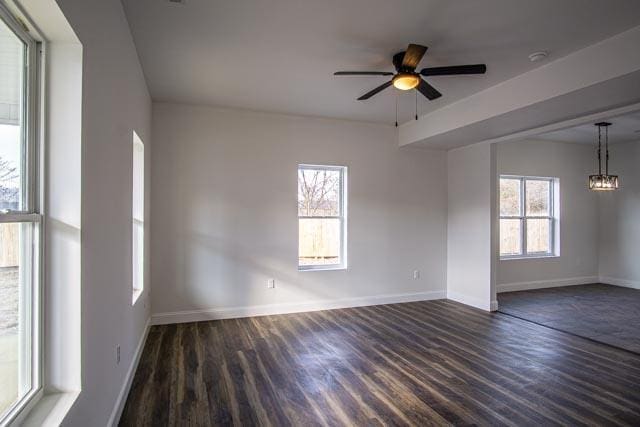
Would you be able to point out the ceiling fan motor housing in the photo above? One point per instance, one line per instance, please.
(407, 78)
(397, 62)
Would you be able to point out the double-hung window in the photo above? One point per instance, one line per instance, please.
(20, 219)
(528, 218)
(322, 217)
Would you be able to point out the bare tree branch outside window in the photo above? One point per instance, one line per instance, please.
(318, 192)
(7, 171)
(9, 189)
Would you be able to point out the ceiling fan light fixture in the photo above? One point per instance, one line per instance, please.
(406, 81)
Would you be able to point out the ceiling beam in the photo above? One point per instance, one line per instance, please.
(597, 78)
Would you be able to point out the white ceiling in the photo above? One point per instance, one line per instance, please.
(279, 55)
(623, 129)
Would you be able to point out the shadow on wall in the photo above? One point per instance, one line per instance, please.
(63, 302)
(226, 275)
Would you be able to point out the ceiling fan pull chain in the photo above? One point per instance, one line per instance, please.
(396, 110)
(416, 92)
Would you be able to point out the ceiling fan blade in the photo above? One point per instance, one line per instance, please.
(362, 73)
(375, 91)
(454, 70)
(413, 55)
(427, 90)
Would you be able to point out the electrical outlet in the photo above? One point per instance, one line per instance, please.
(271, 283)
(416, 274)
(118, 354)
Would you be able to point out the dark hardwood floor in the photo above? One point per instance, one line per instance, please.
(424, 363)
(605, 313)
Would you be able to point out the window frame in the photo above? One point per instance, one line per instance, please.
(31, 211)
(523, 217)
(137, 269)
(342, 265)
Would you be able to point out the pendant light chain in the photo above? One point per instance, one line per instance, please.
(606, 139)
(599, 150)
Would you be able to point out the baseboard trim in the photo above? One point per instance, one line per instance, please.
(264, 310)
(635, 284)
(472, 301)
(124, 391)
(541, 284)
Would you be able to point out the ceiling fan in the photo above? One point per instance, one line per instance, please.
(407, 78)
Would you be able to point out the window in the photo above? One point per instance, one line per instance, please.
(19, 220)
(137, 217)
(527, 217)
(322, 217)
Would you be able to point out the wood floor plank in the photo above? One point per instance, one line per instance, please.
(138, 406)
(217, 394)
(455, 361)
(385, 391)
(310, 374)
(364, 351)
(579, 310)
(567, 402)
(527, 355)
(422, 363)
(427, 377)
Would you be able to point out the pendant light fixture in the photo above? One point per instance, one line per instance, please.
(603, 182)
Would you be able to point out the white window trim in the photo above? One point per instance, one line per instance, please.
(31, 212)
(343, 219)
(553, 218)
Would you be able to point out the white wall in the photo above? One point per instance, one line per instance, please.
(578, 260)
(470, 236)
(115, 101)
(224, 214)
(620, 219)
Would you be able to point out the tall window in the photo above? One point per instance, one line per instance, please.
(322, 217)
(137, 217)
(19, 219)
(527, 217)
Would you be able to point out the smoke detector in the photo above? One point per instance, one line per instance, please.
(177, 1)
(538, 56)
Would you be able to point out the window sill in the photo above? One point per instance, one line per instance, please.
(327, 268)
(524, 257)
(51, 409)
(135, 296)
